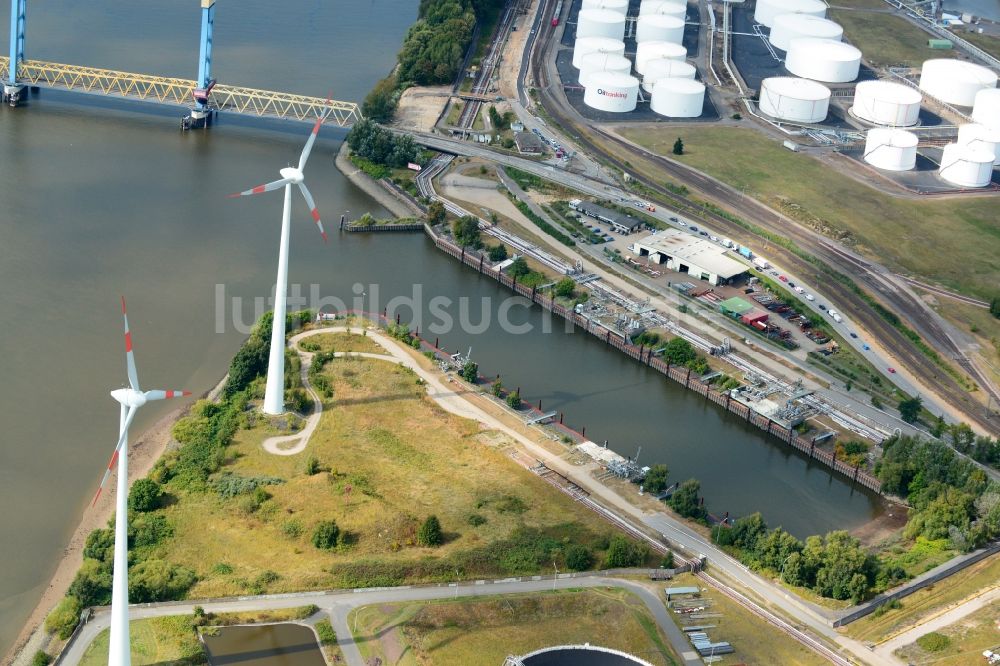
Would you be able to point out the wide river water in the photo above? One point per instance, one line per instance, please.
(99, 202)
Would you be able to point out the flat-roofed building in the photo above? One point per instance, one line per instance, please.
(620, 222)
(684, 253)
(528, 144)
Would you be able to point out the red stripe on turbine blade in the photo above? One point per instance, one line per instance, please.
(323, 233)
(123, 305)
(114, 459)
(96, 496)
(128, 341)
(170, 394)
(185, 394)
(315, 215)
(258, 189)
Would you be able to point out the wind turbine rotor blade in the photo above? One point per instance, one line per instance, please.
(165, 395)
(114, 456)
(312, 137)
(133, 377)
(260, 189)
(312, 208)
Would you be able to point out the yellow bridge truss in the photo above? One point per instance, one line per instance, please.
(164, 89)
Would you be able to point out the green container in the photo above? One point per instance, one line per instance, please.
(939, 44)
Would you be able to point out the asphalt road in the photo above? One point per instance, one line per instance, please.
(339, 604)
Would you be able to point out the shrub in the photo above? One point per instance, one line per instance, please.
(497, 388)
(668, 560)
(430, 533)
(476, 520)
(230, 485)
(292, 528)
(92, 584)
(933, 642)
(325, 535)
(656, 479)
(144, 495)
(100, 545)
(312, 465)
(325, 632)
(578, 558)
(514, 400)
(157, 580)
(498, 252)
(64, 617)
(686, 502)
(624, 553)
(41, 658)
(470, 371)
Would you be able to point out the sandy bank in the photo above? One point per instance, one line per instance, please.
(371, 187)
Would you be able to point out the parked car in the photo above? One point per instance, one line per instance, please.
(693, 228)
(703, 233)
(892, 370)
(798, 290)
(673, 219)
(792, 285)
(783, 278)
(854, 335)
(822, 307)
(810, 297)
(714, 239)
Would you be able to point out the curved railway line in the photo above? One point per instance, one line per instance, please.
(916, 362)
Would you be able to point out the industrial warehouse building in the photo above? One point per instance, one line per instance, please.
(685, 253)
(623, 224)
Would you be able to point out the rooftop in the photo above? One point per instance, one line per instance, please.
(693, 250)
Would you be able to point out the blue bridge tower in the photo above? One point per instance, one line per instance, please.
(201, 115)
(11, 88)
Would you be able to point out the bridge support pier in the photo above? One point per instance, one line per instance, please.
(12, 90)
(201, 115)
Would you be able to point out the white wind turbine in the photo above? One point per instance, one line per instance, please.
(274, 394)
(131, 399)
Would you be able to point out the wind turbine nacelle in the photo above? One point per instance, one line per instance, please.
(128, 397)
(292, 174)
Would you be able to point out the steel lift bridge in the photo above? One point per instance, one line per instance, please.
(203, 97)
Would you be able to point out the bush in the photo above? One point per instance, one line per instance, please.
(430, 533)
(498, 252)
(470, 372)
(64, 617)
(41, 658)
(312, 465)
(656, 479)
(466, 232)
(92, 584)
(514, 400)
(578, 558)
(686, 501)
(157, 580)
(144, 495)
(476, 520)
(933, 642)
(292, 528)
(623, 553)
(325, 632)
(668, 560)
(100, 545)
(325, 535)
(497, 388)
(565, 288)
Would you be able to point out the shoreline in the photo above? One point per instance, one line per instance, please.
(144, 452)
(368, 185)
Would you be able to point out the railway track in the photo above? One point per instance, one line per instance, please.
(488, 66)
(916, 362)
(944, 292)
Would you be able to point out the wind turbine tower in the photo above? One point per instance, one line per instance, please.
(274, 393)
(130, 399)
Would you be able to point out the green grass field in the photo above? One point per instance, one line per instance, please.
(926, 602)
(968, 638)
(355, 341)
(390, 457)
(955, 242)
(485, 631)
(988, 43)
(162, 641)
(885, 39)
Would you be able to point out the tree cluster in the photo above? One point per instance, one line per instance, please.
(680, 352)
(434, 46)
(834, 566)
(686, 500)
(371, 141)
(466, 232)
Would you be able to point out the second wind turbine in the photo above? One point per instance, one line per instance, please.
(274, 394)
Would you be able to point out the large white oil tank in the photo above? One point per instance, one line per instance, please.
(886, 103)
(620, 6)
(966, 166)
(659, 28)
(823, 60)
(981, 136)
(891, 149)
(600, 23)
(768, 10)
(986, 107)
(797, 100)
(612, 91)
(678, 98)
(791, 26)
(665, 68)
(955, 81)
(646, 51)
(585, 45)
(668, 7)
(593, 63)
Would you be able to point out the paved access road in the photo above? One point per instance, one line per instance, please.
(338, 605)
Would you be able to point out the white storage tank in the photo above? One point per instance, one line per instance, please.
(986, 107)
(620, 6)
(585, 45)
(823, 60)
(966, 166)
(981, 136)
(612, 91)
(600, 23)
(797, 100)
(665, 68)
(886, 103)
(891, 149)
(768, 10)
(955, 81)
(593, 63)
(659, 28)
(792, 26)
(668, 7)
(678, 98)
(647, 51)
